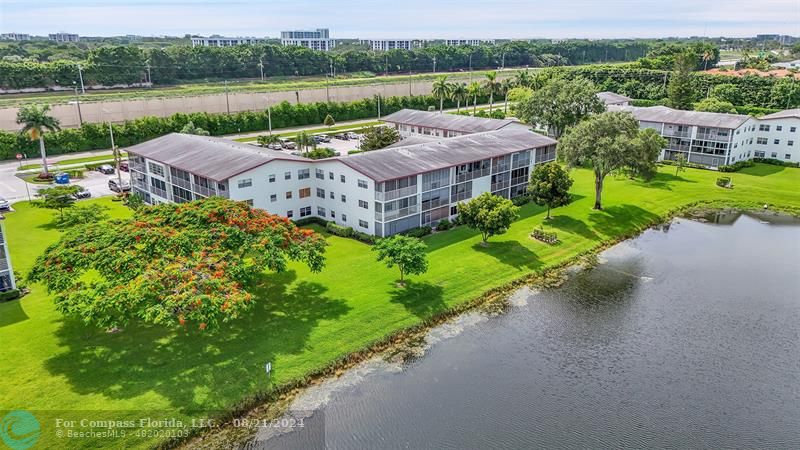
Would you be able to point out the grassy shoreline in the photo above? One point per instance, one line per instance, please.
(308, 323)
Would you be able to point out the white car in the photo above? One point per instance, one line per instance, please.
(4, 205)
(351, 135)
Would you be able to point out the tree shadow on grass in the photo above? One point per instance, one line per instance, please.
(620, 220)
(511, 253)
(11, 312)
(663, 181)
(193, 369)
(762, 170)
(419, 298)
(570, 224)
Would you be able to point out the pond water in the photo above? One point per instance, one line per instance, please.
(687, 336)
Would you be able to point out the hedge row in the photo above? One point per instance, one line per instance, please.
(94, 136)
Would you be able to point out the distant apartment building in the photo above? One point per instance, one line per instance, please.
(784, 39)
(612, 98)
(7, 281)
(380, 192)
(392, 44)
(221, 41)
(63, 37)
(318, 39)
(715, 139)
(412, 123)
(15, 37)
(455, 42)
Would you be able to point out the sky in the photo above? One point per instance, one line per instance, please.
(420, 19)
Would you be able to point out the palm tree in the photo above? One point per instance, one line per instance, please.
(36, 120)
(505, 86)
(459, 94)
(524, 79)
(441, 89)
(268, 139)
(474, 90)
(492, 86)
(708, 55)
(304, 139)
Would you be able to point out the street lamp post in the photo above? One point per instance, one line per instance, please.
(78, 104)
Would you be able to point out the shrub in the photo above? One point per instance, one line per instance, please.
(93, 166)
(311, 220)
(737, 166)
(444, 225)
(418, 232)
(364, 237)
(776, 162)
(669, 162)
(338, 230)
(724, 182)
(548, 237)
(321, 153)
(521, 200)
(11, 294)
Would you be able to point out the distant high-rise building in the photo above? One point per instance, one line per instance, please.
(63, 37)
(468, 41)
(15, 37)
(391, 44)
(318, 39)
(221, 41)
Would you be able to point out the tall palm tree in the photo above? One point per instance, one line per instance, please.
(708, 55)
(474, 90)
(36, 121)
(505, 86)
(304, 140)
(524, 79)
(441, 89)
(492, 86)
(459, 94)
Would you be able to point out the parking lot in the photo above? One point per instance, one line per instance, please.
(338, 145)
(14, 189)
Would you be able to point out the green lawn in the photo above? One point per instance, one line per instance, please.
(303, 320)
(64, 162)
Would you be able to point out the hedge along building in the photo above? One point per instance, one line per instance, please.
(380, 192)
(715, 139)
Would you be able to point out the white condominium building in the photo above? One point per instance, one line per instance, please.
(63, 37)
(7, 281)
(221, 41)
(380, 192)
(15, 37)
(715, 139)
(468, 41)
(318, 39)
(392, 44)
(410, 122)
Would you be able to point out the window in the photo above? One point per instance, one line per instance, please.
(305, 192)
(787, 156)
(272, 178)
(333, 196)
(320, 174)
(341, 178)
(763, 127)
(330, 177)
(290, 213)
(344, 198)
(273, 198)
(363, 224)
(362, 184)
(790, 143)
(759, 154)
(344, 217)
(245, 182)
(761, 141)
(321, 193)
(774, 154)
(287, 175)
(288, 195)
(778, 127)
(363, 204)
(777, 141)
(249, 202)
(320, 211)
(793, 129)
(305, 211)
(302, 174)
(155, 169)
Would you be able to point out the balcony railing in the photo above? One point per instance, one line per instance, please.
(676, 133)
(204, 191)
(676, 147)
(141, 184)
(3, 264)
(501, 168)
(712, 137)
(472, 175)
(500, 185)
(397, 193)
(159, 192)
(180, 182)
(460, 196)
(518, 180)
(139, 167)
(435, 203)
(396, 214)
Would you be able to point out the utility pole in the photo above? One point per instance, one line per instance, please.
(116, 154)
(227, 102)
(385, 65)
(80, 75)
(269, 119)
(470, 67)
(261, 67)
(503, 62)
(379, 106)
(149, 78)
(434, 64)
(78, 104)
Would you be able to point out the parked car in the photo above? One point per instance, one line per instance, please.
(123, 166)
(275, 146)
(82, 194)
(341, 136)
(289, 145)
(4, 205)
(107, 169)
(325, 137)
(351, 135)
(115, 186)
(317, 138)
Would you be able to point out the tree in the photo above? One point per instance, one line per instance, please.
(375, 138)
(561, 104)
(267, 139)
(474, 90)
(36, 120)
(305, 140)
(680, 163)
(611, 141)
(459, 94)
(172, 263)
(329, 122)
(505, 87)
(407, 253)
(712, 104)
(84, 215)
(727, 92)
(786, 93)
(441, 90)
(489, 214)
(58, 198)
(549, 185)
(524, 79)
(189, 128)
(492, 86)
(680, 91)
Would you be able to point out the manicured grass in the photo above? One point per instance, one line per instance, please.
(303, 321)
(64, 162)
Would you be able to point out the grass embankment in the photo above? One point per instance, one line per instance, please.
(322, 130)
(65, 162)
(303, 322)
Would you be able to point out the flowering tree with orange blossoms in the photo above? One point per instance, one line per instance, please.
(186, 264)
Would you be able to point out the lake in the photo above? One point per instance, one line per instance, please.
(687, 336)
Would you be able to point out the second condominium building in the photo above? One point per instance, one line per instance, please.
(318, 39)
